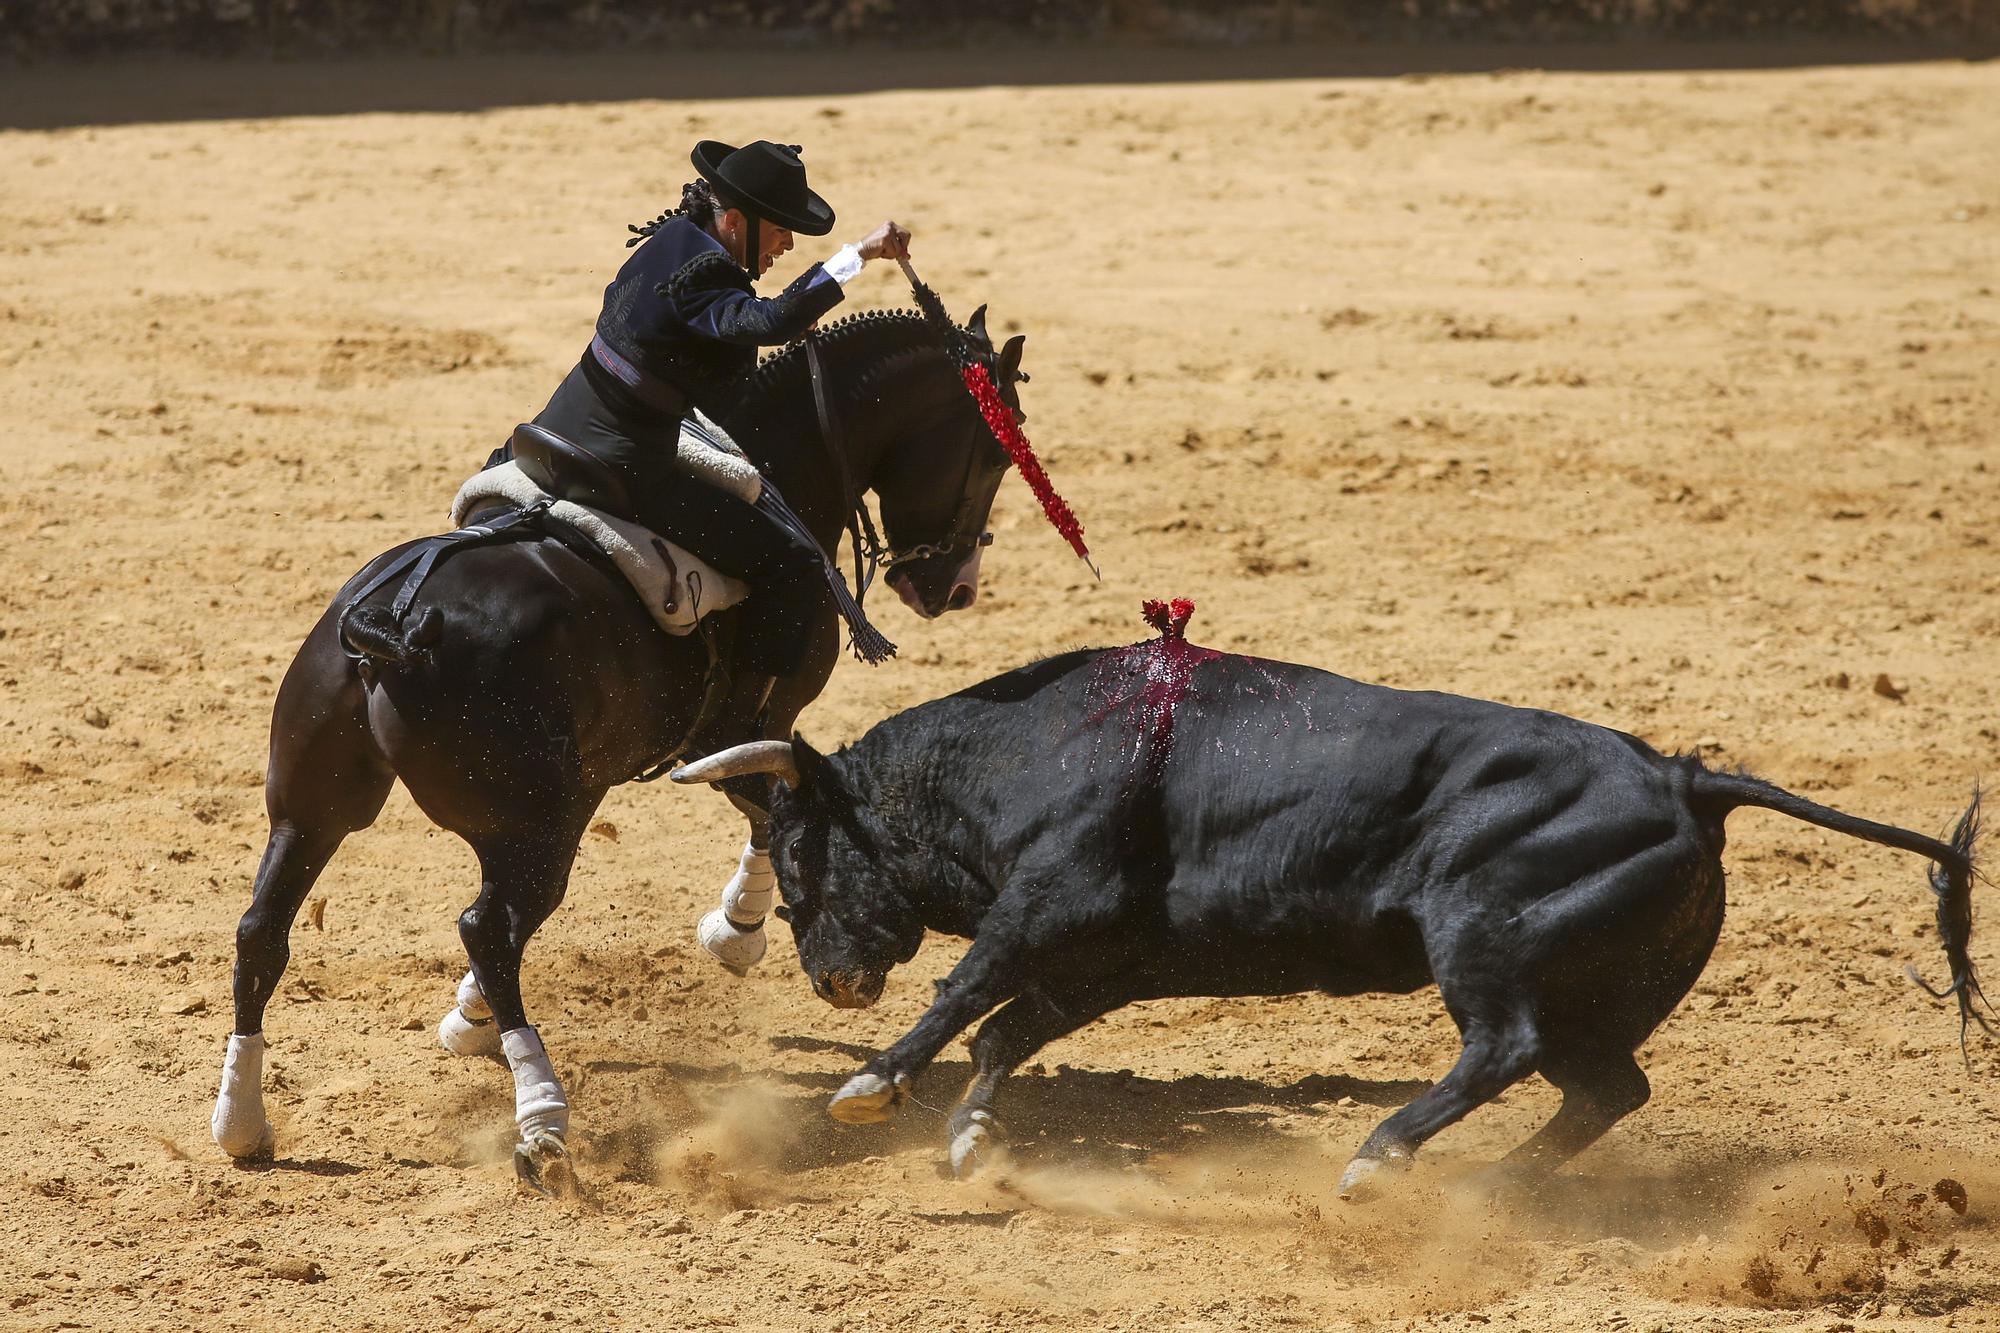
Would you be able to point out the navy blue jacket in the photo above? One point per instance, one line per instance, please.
(683, 311)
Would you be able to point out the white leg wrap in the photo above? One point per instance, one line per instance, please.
(469, 1029)
(461, 1036)
(472, 1000)
(239, 1125)
(735, 947)
(734, 933)
(748, 896)
(539, 1105)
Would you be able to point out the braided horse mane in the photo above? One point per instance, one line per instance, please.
(901, 334)
(773, 405)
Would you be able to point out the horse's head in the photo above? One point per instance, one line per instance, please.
(943, 482)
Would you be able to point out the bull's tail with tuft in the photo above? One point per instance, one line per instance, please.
(1952, 883)
(1951, 874)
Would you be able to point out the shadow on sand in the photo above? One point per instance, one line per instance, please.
(1067, 1117)
(1098, 1125)
(304, 1166)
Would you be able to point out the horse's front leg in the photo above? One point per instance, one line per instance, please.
(733, 934)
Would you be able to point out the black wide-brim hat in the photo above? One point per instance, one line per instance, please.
(767, 179)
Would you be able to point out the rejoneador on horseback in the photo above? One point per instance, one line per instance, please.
(506, 671)
(673, 350)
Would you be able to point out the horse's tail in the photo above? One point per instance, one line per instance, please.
(1951, 875)
(374, 636)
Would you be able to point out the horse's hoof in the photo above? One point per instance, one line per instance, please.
(734, 947)
(463, 1036)
(542, 1163)
(867, 1099)
(240, 1131)
(977, 1146)
(254, 1143)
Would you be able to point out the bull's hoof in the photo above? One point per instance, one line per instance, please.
(1365, 1177)
(542, 1163)
(464, 1036)
(867, 1099)
(977, 1145)
(735, 947)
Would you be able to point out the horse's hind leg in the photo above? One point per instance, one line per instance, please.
(293, 859)
(325, 781)
(524, 880)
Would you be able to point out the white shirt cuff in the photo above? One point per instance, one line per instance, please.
(845, 265)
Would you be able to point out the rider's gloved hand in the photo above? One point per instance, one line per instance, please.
(888, 241)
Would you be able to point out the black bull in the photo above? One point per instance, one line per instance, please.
(1166, 820)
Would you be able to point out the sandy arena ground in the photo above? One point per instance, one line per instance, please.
(1665, 399)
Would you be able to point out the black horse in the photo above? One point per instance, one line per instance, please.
(530, 680)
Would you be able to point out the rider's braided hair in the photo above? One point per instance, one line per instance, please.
(699, 205)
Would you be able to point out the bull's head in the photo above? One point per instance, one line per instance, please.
(843, 875)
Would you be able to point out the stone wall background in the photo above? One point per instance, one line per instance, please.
(32, 29)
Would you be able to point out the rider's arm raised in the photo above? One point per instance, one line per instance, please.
(715, 298)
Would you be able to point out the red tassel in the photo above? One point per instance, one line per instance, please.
(1000, 420)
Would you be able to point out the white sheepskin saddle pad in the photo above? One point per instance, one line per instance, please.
(677, 587)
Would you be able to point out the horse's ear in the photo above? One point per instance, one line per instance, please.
(976, 326)
(1010, 356)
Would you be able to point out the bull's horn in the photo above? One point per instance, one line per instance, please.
(752, 757)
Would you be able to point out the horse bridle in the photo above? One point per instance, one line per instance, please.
(958, 537)
(868, 545)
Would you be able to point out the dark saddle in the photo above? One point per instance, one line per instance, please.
(569, 473)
